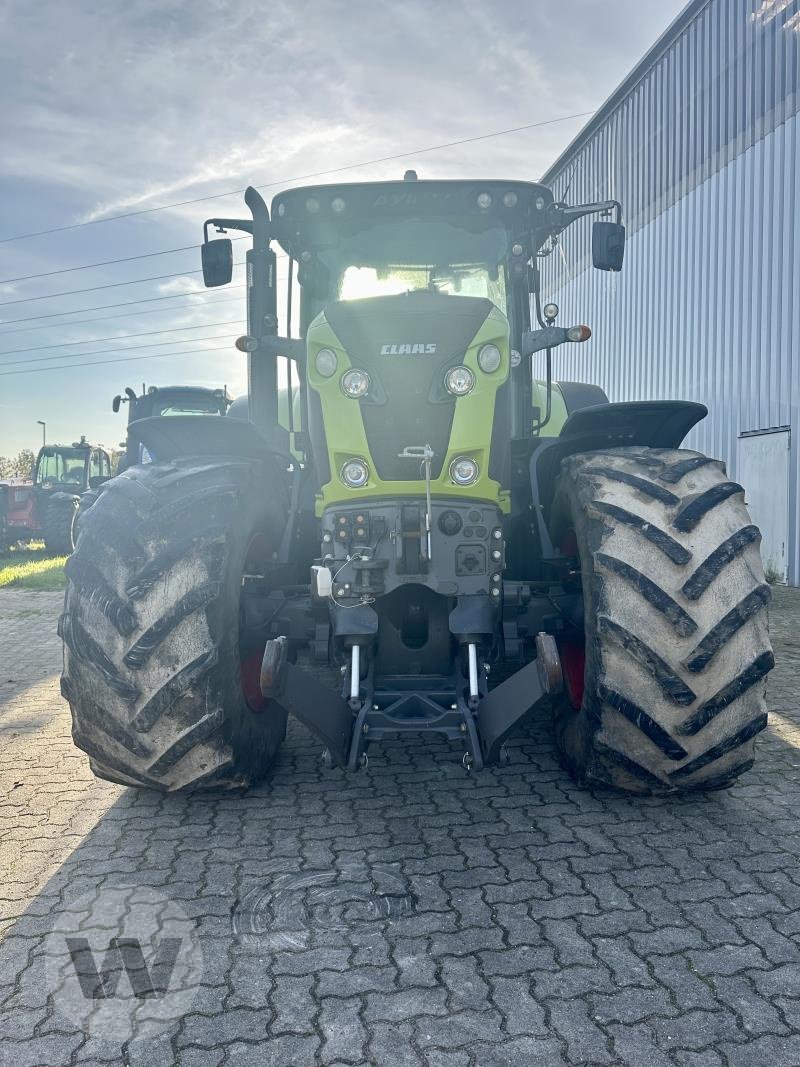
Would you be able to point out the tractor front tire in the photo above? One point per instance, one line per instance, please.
(676, 647)
(153, 671)
(59, 528)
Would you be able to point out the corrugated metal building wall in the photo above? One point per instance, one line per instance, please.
(701, 144)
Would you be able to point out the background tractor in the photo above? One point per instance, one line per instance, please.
(165, 400)
(47, 506)
(425, 537)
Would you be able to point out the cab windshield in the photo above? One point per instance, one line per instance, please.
(388, 259)
(190, 407)
(65, 465)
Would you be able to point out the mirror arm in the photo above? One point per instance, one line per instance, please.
(562, 215)
(221, 225)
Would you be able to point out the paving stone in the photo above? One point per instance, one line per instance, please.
(586, 1042)
(344, 1033)
(522, 1012)
(541, 923)
(397, 1007)
(285, 1051)
(756, 1012)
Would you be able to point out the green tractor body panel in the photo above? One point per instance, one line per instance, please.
(413, 407)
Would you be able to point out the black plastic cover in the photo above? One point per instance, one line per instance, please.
(166, 438)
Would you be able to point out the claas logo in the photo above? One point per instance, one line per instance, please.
(408, 350)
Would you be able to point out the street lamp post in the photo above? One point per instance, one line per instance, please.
(44, 431)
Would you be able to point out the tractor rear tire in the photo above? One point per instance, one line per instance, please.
(677, 647)
(59, 528)
(159, 691)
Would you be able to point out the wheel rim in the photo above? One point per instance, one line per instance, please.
(572, 649)
(251, 645)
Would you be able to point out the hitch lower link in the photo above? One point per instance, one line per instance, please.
(464, 710)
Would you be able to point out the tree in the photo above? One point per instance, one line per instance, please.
(19, 466)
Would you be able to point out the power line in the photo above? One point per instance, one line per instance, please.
(111, 318)
(109, 285)
(118, 337)
(299, 177)
(104, 263)
(101, 362)
(108, 351)
(102, 307)
(88, 266)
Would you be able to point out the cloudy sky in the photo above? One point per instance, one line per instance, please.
(119, 107)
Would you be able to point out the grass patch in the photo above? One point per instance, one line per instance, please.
(32, 568)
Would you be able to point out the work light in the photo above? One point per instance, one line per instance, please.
(489, 358)
(464, 470)
(355, 473)
(459, 381)
(355, 383)
(325, 362)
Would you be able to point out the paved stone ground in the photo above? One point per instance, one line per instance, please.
(408, 915)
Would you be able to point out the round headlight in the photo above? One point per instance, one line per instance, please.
(484, 201)
(459, 381)
(463, 470)
(325, 362)
(312, 205)
(550, 311)
(489, 358)
(338, 205)
(355, 383)
(510, 199)
(355, 473)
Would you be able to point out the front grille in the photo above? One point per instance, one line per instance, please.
(408, 418)
(443, 327)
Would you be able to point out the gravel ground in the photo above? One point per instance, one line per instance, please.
(410, 914)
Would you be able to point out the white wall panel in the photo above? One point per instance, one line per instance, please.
(702, 146)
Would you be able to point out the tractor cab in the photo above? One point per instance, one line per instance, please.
(168, 401)
(71, 468)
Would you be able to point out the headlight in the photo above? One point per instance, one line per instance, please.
(355, 473)
(489, 358)
(325, 362)
(355, 383)
(459, 381)
(463, 470)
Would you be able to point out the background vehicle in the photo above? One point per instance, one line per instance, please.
(441, 542)
(166, 400)
(47, 506)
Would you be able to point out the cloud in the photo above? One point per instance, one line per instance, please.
(182, 284)
(125, 106)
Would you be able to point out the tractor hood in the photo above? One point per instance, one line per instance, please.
(405, 344)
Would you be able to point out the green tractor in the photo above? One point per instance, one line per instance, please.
(411, 533)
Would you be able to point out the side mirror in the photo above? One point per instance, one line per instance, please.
(217, 261)
(608, 245)
(115, 403)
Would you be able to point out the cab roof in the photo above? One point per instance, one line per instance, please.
(300, 213)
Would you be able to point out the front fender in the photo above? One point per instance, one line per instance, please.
(652, 423)
(168, 437)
